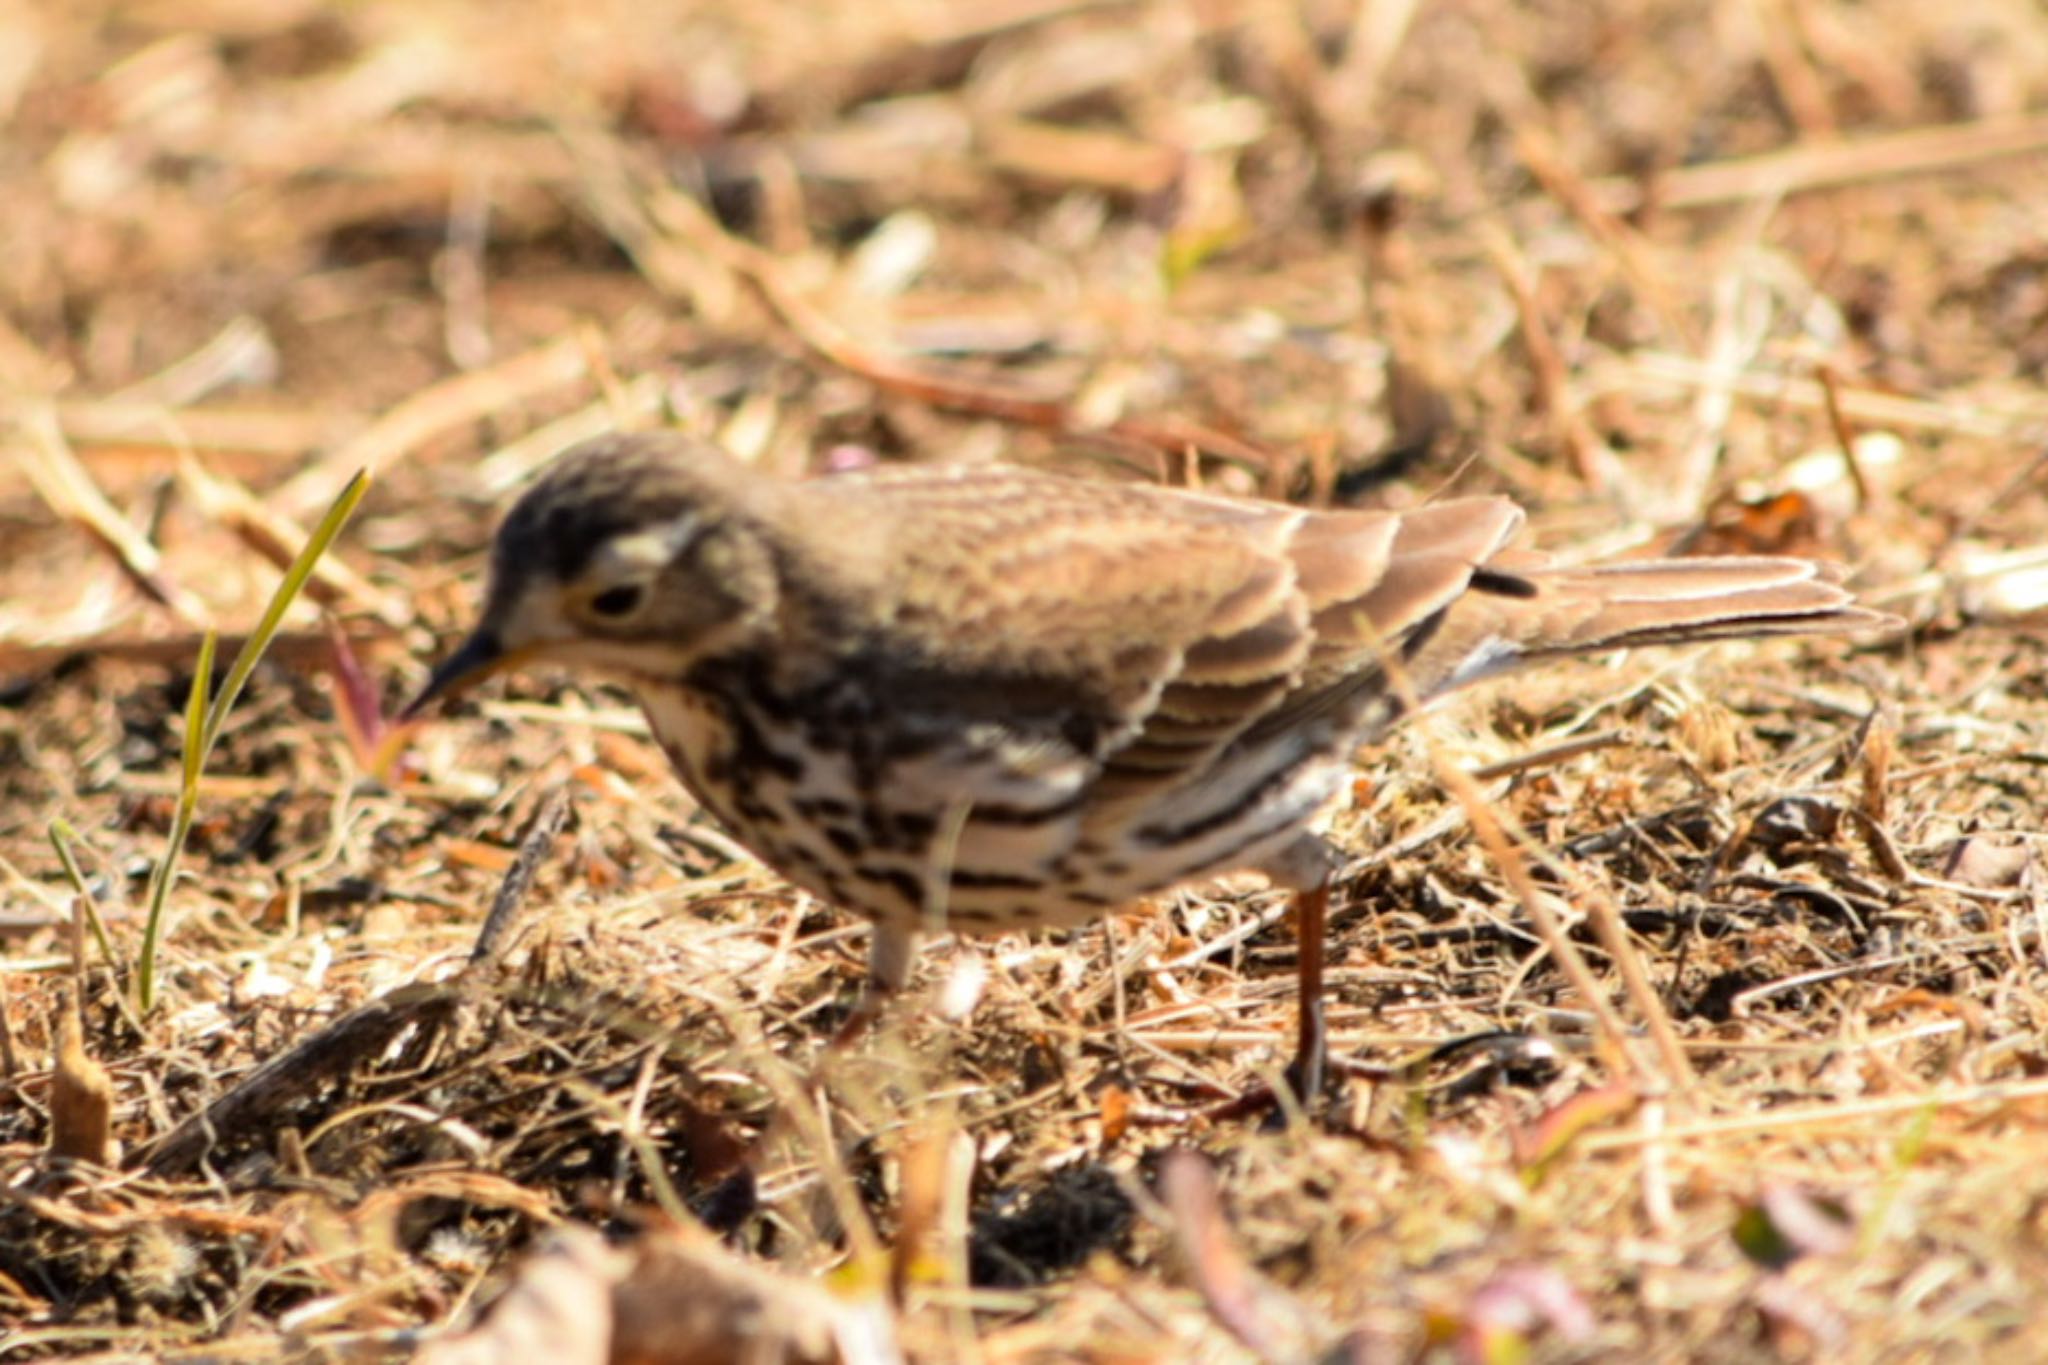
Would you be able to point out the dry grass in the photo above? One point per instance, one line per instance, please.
(1653, 268)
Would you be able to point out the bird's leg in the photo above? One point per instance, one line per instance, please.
(1312, 1052)
(1307, 866)
(890, 949)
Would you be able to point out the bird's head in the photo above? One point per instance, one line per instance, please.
(636, 554)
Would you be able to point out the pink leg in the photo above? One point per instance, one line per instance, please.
(1312, 1051)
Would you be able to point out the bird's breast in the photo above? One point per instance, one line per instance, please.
(931, 820)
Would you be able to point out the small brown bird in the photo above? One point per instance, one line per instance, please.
(990, 698)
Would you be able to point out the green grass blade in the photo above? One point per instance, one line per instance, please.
(193, 762)
(193, 751)
(288, 589)
(62, 837)
(204, 717)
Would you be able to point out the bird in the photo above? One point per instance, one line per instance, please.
(988, 698)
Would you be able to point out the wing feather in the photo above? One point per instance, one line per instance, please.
(1181, 623)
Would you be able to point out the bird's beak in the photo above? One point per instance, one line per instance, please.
(478, 657)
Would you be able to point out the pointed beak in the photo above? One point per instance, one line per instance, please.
(478, 657)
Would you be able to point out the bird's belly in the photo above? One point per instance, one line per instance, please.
(1247, 810)
(969, 834)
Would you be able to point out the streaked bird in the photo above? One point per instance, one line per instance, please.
(991, 698)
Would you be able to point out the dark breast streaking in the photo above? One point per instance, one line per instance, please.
(922, 817)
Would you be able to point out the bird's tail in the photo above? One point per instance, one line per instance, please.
(1672, 601)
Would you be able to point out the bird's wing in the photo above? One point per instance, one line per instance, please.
(1170, 623)
(1163, 636)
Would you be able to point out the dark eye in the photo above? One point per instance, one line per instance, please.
(623, 600)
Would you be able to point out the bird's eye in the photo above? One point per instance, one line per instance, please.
(618, 602)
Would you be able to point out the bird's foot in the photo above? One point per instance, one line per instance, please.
(1306, 1088)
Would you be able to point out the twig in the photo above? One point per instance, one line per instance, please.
(1614, 937)
(534, 842)
(331, 1052)
(1490, 829)
(1556, 753)
(1821, 1115)
(240, 353)
(111, 422)
(1818, 166)
(70, 492)
(1845, 436)
(1643, 368)
(10, 1065)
